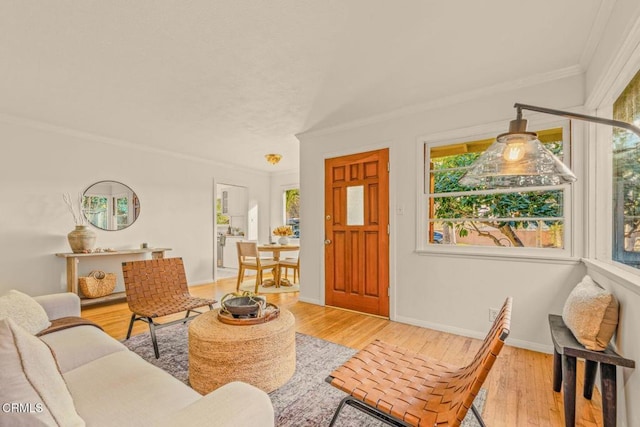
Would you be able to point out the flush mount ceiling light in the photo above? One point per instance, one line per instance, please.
(273, 158)
(518, 159)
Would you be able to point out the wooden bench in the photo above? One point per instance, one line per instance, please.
(566, 350)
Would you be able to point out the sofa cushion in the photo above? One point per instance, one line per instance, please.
(76, 346)
(591, 313)
(121, 389)
(29, 376)
(229, 406)
(24, 310)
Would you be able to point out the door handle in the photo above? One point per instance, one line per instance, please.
(327, 242)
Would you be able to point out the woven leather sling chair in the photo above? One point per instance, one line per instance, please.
(157, 288)
(405, 389)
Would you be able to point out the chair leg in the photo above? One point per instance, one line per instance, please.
(187, 316)
(379, 415)
(258, 280)
(133, 319)
(152, 329)
(477, 415)
(240, 277)
(338, 409)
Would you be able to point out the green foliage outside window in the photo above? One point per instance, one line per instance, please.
(220, 217)
(494, 217)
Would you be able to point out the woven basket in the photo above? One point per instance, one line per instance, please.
(97, 284)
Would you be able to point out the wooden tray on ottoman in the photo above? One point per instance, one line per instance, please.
(270, 312)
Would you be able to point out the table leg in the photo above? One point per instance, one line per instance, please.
(557, 371)
(569, 386)
(590, 368)
(72, 274)
(608, 383)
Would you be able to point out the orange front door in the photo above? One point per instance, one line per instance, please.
(356, 232)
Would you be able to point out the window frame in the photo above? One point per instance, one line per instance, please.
(536, 122)
(602, 227)
(283, 205)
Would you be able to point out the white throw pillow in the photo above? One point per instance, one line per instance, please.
(591, 313)
(24, 310)
(32, 385)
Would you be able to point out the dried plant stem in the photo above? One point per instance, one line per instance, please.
(78, 218)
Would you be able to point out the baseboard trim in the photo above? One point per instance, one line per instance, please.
(527, 345)
(310, 300)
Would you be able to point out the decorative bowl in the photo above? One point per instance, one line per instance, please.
(244, 306)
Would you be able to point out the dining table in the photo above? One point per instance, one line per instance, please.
(275, 249)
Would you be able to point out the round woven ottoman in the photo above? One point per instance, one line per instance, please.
(263, 355)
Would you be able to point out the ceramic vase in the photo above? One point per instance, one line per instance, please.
(82, 239)
(284, 240)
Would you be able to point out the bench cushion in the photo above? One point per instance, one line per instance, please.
(591, 313)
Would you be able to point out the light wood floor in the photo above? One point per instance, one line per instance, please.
(519, 385)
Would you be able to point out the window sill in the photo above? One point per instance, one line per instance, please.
(519, 257)
(620, 276)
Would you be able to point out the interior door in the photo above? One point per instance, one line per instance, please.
(356, 232)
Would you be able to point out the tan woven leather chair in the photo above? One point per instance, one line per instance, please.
(406, 389)
(157, 288)
(249, 258)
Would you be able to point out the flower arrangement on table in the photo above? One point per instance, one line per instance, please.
(283, 232)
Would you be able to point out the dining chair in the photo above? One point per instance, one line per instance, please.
(249, 258)
(289, 263)
(156, 288)
(401, 388)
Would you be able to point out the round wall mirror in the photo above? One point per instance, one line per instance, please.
(110, 205)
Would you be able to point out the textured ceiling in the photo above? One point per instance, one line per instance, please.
(232, 80)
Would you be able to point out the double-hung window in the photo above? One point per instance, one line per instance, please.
(626, 178)
(509, 220)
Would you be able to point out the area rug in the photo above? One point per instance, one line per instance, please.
(250, 285)
(305, 400)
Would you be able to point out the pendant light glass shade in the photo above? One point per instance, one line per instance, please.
(517, 160)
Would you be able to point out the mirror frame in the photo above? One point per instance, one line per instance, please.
(133, 205)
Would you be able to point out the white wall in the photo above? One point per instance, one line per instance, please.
(443, 292)
(38, 163)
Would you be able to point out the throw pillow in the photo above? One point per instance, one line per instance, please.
(591, 313)
(33, 392)
(24, 310)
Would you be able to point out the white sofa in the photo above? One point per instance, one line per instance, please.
(112, 386)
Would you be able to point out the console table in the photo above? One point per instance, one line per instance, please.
(72, 270)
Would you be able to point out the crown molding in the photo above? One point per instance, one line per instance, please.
(61, 130)
(451, 100)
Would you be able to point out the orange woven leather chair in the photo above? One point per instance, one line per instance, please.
(405, 389)
(156, 288)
